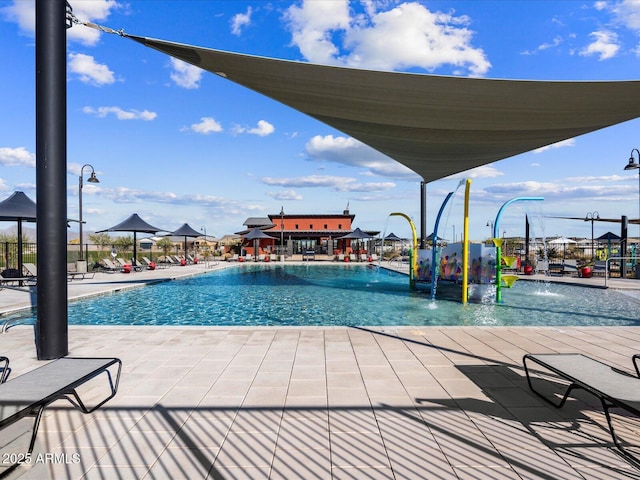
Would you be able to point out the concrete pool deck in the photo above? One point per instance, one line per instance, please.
(324, 403)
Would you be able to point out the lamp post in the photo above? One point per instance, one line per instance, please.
(592, 217)
(490, 225)
(633, 165)
(282, 233)
(206, 246)
(92, 179)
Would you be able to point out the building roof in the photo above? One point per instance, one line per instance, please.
(258, 222)
(434, 125)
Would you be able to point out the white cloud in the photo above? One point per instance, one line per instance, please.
(185, 75)
(89, 71)
(409, 35)
(545, 46)
(20, 156)
(351, 152)
(339, 184)
(23, 13)
(240, 20)
(605, 45)
(483, 171)
(285, 195)
(263, 129)
(206, 126)
(626, 12)
(570, 142)
(121, 114)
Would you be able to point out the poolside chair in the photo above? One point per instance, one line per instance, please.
(273, 257)
(5, 370)
(31, 393)
(31, 269)
(614, 388)
(599, 268)
(340, 257)
(233, 258)
(261, 257)
(109, 266)
(352, 257)
(570, 267)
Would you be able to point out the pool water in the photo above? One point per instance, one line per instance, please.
(342, 295)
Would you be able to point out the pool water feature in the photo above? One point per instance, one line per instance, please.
(342, 295)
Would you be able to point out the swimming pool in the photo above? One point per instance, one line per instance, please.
(342, 295)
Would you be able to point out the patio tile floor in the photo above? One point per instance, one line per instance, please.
(328, 403)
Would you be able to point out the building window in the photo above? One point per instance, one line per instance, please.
(296, 226)
(339, 226)
(311, 226)
(325, 226)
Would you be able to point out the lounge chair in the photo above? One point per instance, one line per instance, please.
(153, 265)
(32, 270)
(110, 266)
(272, 257)
(352, 257)
(6, 370)
(570, 267)
(613, 387)
(29, 394)
(599, 268)
(233, 258)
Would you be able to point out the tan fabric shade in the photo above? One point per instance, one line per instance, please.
(435, 125)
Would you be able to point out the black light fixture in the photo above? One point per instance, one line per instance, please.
(91, 179)
(633, 165)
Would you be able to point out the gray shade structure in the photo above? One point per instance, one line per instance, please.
(136, 225)
(357, 235)
(185, 231)
(20, 208)
(434, 125)
(256, 234)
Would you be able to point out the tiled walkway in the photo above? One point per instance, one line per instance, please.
(328, 403)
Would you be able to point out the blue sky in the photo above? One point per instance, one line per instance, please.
(176, 144)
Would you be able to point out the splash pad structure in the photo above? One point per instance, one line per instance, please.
(480, 279)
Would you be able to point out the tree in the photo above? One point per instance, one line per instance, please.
(102, 240)
(122, 244)
(165, 244)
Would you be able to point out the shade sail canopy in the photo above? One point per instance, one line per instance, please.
(134, 224)
(186, 231)
(18, 207)
(356, 234)
(256, 234)
(609, 236)
(434, 125)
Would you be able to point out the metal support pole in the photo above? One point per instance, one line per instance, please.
(51, 158)
(423, 215)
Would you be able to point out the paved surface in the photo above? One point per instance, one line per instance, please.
(325, 403)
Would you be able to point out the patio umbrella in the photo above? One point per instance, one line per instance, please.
(357, 235)
(185, 231)
(256, 234)
(609, 237)
(134, 224)
(18, 207)
(564, 241)
(392, 237)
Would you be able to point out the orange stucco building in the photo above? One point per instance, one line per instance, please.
(297, 234)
